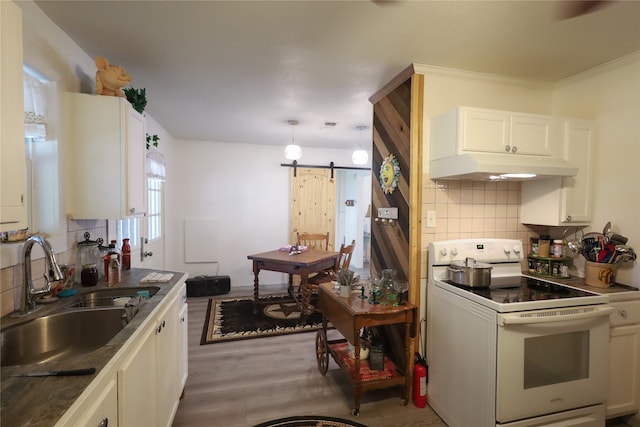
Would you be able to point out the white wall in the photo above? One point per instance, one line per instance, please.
(246, 190)
(610, 95)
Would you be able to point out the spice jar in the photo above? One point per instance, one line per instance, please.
(557, 248)
(543, 246)
(89, 275)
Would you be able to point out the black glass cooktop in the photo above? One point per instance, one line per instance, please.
(523, 289)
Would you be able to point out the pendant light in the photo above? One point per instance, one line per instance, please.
(360, 156)
(292, 151)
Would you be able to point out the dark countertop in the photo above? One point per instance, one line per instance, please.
(616, 292)
(42, 401)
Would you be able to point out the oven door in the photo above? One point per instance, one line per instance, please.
(551, 360)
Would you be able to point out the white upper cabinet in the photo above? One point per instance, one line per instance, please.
(105, 146)
(13, 184)
(467, 129)
(567, 200)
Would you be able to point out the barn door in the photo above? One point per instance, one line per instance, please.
(313, 203)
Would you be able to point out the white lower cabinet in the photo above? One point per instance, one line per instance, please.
(624, 359)
(183, 336)
(167, 356)
(143, 383)
(149, 381)
(137, 384)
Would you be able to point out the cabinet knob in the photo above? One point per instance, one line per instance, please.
(623, 314)
(569, 218)
(132, 210)
(507, 148)
(104, 422)
(514, 149)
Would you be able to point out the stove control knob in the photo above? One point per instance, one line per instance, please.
(507, 250)
(443, 251)
(517, 249)
(454, 252)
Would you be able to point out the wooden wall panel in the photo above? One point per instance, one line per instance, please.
(394, 132)
(397, 130)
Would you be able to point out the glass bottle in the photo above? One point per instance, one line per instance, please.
(107, 259)
(114, 270)
(126, 255)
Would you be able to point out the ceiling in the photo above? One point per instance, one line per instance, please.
(237, 71)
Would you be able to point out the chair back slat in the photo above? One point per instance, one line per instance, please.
(318, 241)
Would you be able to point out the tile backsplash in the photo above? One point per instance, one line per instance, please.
(11, 276)
(467, 209)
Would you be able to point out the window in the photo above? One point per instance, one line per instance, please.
(155, 193)
(43, 198)
(128, 228)
(154, 208)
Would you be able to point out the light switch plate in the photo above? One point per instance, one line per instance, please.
(431, 219)
(388, 213)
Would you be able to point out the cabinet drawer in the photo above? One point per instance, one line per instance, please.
(625, 313)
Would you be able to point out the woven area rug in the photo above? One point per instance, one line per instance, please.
(233, 319)
(310, 422)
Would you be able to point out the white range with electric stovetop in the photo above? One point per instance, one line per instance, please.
(522, 352)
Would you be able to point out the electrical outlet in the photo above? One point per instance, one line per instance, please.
(431, 219)
(388, 213)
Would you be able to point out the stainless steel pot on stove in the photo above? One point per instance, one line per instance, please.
(470, 273)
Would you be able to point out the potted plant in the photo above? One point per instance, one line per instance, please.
(137, 98)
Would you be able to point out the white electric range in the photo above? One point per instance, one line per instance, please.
(522, 352)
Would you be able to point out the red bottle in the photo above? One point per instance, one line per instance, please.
(126, 255)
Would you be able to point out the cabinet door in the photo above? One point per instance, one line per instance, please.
(576, 190)
(484, 130)
(104, 410)
(167, 362)
(136, 163)
(13, 185)
(137, 384)
(624, 370)
(106, 177)
(530, 134)
(183, 341)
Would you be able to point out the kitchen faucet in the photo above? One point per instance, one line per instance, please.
(30, 294)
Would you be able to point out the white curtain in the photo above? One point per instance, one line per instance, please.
(35, 105)
(155, 165)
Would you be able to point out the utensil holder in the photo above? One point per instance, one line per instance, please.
(600, 275)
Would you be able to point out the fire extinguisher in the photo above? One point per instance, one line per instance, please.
(419, 381)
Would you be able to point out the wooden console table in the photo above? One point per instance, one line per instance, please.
(350, 314)
(303, 264)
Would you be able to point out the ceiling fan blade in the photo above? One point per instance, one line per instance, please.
(573, 9)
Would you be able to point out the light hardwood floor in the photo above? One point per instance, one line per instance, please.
(243, 383)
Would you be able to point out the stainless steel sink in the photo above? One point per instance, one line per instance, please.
(106, 297)
(60, 335)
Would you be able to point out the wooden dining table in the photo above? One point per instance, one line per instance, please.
(303, 264)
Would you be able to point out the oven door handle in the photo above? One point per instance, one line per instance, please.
(554, 315)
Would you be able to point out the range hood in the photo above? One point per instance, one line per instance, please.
(487, 166)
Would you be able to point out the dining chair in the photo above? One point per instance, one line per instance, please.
(314, 240)
(342, 262)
